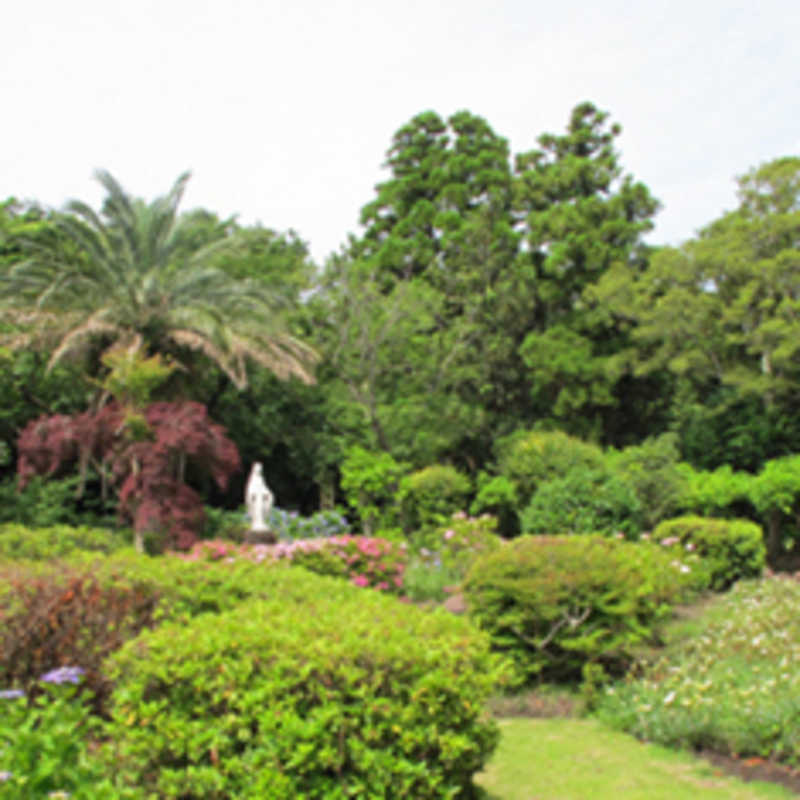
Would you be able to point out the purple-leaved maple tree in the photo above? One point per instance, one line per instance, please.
(143, 457)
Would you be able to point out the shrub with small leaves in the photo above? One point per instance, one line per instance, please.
(336, 694)
(56, 541)
(80, 611)
(730, 548)
(66, 615)
(584, 501)
(43, 741)
(554, 603)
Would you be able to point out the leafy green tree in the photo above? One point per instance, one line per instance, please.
(722, 310)
(114, 277)
(581, 216)
(403, 314)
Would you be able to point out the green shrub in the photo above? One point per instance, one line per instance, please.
(731, 549)
(651, 470)
(555, 603)
(464, 539)
(369, 481)
(56, 541)
(50, 501)
(584, 501)
(44, 742)
(497, 495)
(716, 492)
(530, 458)
(430, 495)
(78, 612)
(222, 523)
(733, 686)
(338, 693)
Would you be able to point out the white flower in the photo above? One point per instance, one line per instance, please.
(669, 698)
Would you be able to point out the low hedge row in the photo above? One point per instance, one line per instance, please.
(57, 541)
(321, 692)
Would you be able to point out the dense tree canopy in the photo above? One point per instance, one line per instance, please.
(489, 297)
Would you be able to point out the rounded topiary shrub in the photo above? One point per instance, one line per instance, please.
(730, 548)
(584, 501)
(430, 495)
(342, 693)
(556, 603)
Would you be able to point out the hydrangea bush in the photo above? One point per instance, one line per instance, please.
(43, 752)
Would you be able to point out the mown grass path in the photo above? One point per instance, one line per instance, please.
(578, 759)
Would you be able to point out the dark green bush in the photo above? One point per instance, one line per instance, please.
(584, 501)
(652, 472)
(50, 501)
(730, 548)
(56, 541)
(555, 603)
(329, 692)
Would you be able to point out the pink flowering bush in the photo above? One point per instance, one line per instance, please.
(366, 561)
(465, 538)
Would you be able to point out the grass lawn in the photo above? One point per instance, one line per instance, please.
(575, 759)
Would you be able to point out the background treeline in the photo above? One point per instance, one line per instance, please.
(491, 300)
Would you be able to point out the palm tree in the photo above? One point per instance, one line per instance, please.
(114, 278)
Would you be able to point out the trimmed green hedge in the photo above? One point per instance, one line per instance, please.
(730, 548)
(327, 692)
(556, 603)
(57, 541)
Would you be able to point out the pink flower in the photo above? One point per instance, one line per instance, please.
(449, 534)
(383, 585)
(361, 580)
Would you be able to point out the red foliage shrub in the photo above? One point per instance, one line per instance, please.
(147, 470)
(52, 619)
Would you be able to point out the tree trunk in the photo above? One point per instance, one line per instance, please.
(774, 537)
(327, 489)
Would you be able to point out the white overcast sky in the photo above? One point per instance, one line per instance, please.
(284, 110)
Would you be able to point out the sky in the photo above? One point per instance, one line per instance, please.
(283, 111)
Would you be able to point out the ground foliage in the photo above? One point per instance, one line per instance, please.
(731, 687)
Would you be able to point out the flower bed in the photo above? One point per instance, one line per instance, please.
(366, 561)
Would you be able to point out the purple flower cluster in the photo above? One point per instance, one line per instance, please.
(11, 694)
(63, 675)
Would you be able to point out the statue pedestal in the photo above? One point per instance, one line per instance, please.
(260, 537)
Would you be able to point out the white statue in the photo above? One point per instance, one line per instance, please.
(258, 499)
